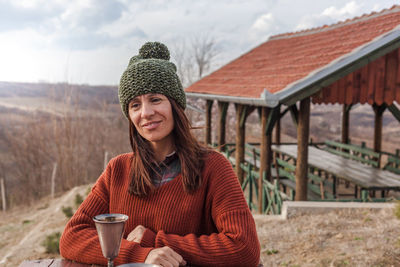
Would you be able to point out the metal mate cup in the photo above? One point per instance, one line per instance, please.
(110, 228)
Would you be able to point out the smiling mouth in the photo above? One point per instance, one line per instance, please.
(151, 125)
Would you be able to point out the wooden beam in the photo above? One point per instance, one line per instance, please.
(240, 138)
(278, 127)
(247, 110)
(390, 77)
(294, 113)
(105, 160)
(222, 111)
(395, 111)
(303, 129)
(209, 104)
(3, 194)
(265, 156)
(273, 116)
(259, 112)
(284, 111)
(53, 180)
(378, 110)
(346, 123)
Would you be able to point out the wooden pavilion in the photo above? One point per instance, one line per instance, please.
(355, 61)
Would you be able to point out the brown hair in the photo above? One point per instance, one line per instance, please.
(190, 152)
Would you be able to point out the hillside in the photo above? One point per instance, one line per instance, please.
(23, 229)
(357, 238)
(57, 91)
(73, 127)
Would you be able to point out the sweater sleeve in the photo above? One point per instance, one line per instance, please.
(80, 242)
(235, 243)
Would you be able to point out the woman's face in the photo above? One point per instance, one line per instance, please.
(152, 116)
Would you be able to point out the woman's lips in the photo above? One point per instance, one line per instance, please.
(151, 125)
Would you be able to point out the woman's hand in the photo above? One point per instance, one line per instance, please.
(137, 234)
(165, 257)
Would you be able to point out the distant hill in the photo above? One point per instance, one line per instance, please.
(85, 94)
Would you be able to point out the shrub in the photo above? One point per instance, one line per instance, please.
(78, 200)
(67, 211)
(51, 243)
(88, 190)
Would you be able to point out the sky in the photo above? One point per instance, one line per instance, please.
(91, 41)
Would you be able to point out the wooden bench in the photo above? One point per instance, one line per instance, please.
(358, 153)
(316, 185)
(393, 164)
(365, 178)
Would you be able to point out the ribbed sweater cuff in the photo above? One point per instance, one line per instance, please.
(132, 253)
(148, 239)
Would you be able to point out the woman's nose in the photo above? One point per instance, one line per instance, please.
(147, 110)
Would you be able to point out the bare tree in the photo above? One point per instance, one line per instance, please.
(195, 58)
(74, 136)
(184, 62)
(30, 152)
(204, 50)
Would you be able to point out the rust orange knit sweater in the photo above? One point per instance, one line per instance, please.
(211, 227)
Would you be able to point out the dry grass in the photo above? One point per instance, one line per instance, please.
(356, 238)
(344, 238)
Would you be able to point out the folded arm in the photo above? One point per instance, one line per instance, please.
(80, 241)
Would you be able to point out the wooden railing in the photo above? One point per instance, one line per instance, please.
(274, 193)
(272, 196)
(358, 153)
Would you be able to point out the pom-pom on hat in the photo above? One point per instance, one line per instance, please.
(150, 72)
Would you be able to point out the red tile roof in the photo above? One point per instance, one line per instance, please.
(289, 57)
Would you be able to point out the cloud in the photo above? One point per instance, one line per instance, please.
(71, 24)
(264, 22)
(90, 14)
(264, 26)
(349, 10)
(18, 17)
(329, 15)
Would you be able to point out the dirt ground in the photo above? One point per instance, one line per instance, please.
(345, 238)
(339, 238)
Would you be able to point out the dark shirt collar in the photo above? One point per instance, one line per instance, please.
(168, 159)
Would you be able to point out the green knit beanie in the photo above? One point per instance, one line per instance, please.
(150, 72)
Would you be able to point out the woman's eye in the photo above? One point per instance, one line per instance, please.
(155, 100)
(134, 105)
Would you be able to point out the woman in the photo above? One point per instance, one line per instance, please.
(184, 202)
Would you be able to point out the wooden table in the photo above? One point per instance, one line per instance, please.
(54, 263)
(364, 176)
(60, 263)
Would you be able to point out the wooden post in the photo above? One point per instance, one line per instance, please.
(345, 123)
(303, 129)
(105, 159)
(53, 179)
(209, 104)
(265, 156)
(378, 110)
(3, 194)
(222, 110)
(278, 129)
(240, 138)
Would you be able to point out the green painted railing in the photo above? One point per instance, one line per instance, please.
(272, 197)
